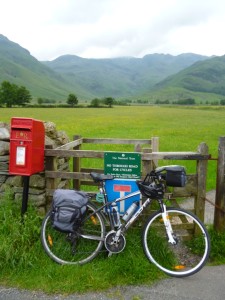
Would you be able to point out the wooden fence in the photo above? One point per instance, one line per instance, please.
(219, 215)
(150, 155)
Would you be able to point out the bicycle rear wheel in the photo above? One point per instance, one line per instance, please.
(74, 248)
(191, 250)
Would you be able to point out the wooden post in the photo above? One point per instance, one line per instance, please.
(137, 148)
(76, 165)
(50, 165)
(201, 183)
(155, 148)
(147, 165)
(219, 215)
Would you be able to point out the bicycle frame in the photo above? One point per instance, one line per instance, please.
(124, 226)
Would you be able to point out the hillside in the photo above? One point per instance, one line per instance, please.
(120, 77)
(19, 67)
(202, 77)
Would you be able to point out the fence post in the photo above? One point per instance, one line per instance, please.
(219, 215)
(137, 148)
(50, 165)
(76, 165)
(155, 148)
(149, 165)
(201, 182)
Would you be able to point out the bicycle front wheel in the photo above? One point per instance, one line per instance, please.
(74, 248)
(191, 249)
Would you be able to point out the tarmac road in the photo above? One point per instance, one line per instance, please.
(208, 284)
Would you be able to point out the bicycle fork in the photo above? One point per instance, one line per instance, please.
(166, 221)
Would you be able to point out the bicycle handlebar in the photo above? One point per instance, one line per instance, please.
(174, 168)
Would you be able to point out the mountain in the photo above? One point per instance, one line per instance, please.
(120, 77)
(207, 76)
(154, 76)
(19, 67)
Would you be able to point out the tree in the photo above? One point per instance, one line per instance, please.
(11, 94)
(72, 100)
(7, 93)
(40, 101)
(95, 102)
(23, 96)
(109, 101)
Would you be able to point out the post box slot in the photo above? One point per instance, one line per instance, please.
(26, 127)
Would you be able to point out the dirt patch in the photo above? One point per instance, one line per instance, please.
(209, 207)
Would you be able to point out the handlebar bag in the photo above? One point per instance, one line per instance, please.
(176, 177)
(68, 209)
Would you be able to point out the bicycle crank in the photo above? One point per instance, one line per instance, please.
(115, 245)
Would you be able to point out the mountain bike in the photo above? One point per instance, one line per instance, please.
(173, 239)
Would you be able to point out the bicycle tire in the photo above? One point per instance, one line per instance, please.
(74, 248)
(192, 248)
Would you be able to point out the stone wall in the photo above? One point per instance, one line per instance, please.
(37, 184)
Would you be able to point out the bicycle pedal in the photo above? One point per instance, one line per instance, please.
(110, 254)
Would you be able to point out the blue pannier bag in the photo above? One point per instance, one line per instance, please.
(68, 209)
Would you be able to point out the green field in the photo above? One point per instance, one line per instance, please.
(178, 128)
(24, 263)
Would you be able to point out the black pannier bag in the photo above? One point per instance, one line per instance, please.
(68, 209)
(176, 176)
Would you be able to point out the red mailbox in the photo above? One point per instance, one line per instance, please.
(27, 140)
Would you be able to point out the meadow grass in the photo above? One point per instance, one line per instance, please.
(178, 128)
(22, 260)
(24, 264)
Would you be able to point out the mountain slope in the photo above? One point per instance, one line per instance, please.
(207, 76)
(120, 77)
(19, 67)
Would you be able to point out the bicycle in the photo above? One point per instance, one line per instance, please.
(174, 240)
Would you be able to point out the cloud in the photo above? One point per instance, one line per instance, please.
(79, 12)
(112, 28)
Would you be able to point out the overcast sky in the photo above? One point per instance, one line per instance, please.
(114, 28)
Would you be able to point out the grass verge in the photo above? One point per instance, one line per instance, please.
(24, 263)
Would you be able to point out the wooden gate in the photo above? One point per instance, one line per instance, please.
(150, 155)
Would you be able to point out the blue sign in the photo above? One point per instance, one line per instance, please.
(118, 188)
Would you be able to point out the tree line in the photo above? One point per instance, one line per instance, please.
(14, 95)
